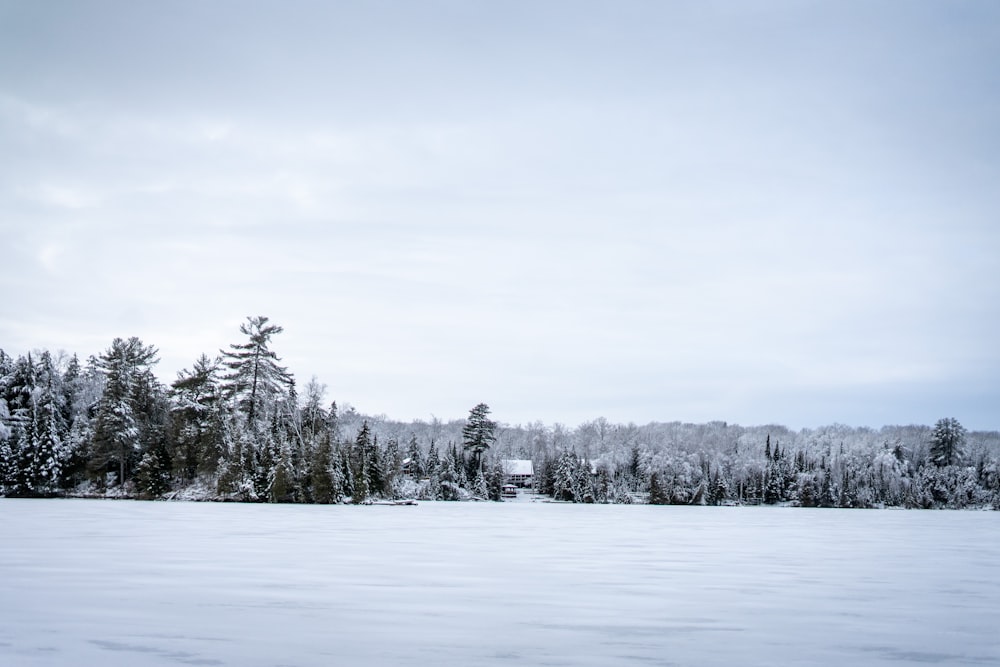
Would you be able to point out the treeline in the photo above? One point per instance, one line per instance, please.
(718, 463)
(233, 427)
(838, 466)
(236, 427)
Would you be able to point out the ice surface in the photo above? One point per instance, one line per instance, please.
(132, 583)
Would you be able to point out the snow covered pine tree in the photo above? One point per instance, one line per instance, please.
(478, 433)
(947, 439)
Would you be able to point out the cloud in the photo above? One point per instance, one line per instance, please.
(650, 213)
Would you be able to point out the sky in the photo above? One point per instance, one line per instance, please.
(755, 212)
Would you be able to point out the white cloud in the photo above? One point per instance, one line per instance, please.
(690, 228)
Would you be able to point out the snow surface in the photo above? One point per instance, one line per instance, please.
(518, 467)
(91, 582)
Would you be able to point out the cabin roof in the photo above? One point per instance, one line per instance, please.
(518, 467)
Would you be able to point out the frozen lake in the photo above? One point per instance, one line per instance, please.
(89, 582)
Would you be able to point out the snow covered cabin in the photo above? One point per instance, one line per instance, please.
(519, 472)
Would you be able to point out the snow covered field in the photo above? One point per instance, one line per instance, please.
(88, 582)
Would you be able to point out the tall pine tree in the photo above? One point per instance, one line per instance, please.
(947, 440)
(255, 379)
(126, 407)
(478, 433)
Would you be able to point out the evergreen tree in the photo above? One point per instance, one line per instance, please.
(24, 444)
(373, 468)
(806, 489)
(19, 388)
(602, 485)
(197, 418)
(772, 483)
(461, 467)
(495, 479)
(450, 483)
(565, 484)
(545, 476)
(70, 384)
(363, 447)
(947, 440)
(634, 469)
(151, 478)
(263, 455)
(281, 487)
(49, 428)
(6, 368)
(321, 476)
(479, 487)
(230, 469)
(479, 432)
(391, 468)
(255, 378)
(347, 470)
(126, 406)
(6, 450)
(333, 421)
(6, 460)
(433, 471)
(716, 488)
(657, 495)
(433, 460)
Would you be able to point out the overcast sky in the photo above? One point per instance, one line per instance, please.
(758, 212)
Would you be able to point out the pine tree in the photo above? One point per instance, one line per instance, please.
(657, 495)
(565, 485)
(433, 460)
(947, 440)
(449, 475)
(19, 455)
(347, 470)
(479, 487)
(197, 418)
(479, 432)
(230, 470)
(392, 468)
(360, 465)
(462, 467)
(49, 430)
(321, 482)
(634, 469)
(255, 378)
(716, 488)
(281, 487)
(495, 479)
(71, 380)
(545, 476)
(602, 485)
(6, 459)
(126, 406)
(374, 470)
(151, 479)
(333, 421)
(21, 388)
(433, 471)
(263, 455)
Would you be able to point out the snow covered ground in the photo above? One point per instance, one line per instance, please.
(90, 582)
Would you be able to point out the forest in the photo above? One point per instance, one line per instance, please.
(236, 427)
